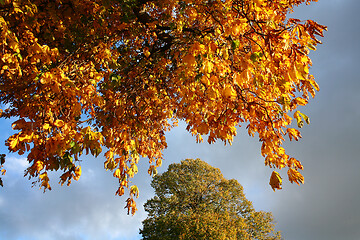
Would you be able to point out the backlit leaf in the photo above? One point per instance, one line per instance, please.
(275, 181)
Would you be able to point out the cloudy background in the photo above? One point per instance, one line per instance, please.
(326, 207)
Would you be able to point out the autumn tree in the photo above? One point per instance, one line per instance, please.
(83, 76)
(194, 201)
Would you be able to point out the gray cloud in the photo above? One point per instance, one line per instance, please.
(86, 210)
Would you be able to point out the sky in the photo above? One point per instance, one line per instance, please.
(326, 207)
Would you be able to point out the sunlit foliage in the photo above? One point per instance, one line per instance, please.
(194, 201)
(86, 76)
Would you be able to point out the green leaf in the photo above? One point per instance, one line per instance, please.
(254, 57)
(235, 44)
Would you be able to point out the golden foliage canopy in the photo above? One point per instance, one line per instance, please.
(86, 75)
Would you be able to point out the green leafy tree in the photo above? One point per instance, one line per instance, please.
(194, 201)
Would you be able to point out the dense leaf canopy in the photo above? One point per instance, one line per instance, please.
(194, 201)
(86, 75)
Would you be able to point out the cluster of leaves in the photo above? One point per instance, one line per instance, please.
(83, 75)
(194, 201)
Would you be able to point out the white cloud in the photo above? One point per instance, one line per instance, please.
(15, 164)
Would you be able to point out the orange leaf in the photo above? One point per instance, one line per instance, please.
(229, 92)
(189, 60)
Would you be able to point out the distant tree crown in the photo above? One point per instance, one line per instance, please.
(194, 201)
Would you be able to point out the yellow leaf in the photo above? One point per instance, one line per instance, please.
(147, 52)
(26, 137)
(198, 48)
(46, 126)
(14, 143)
(152, 171)
(44, 181)
(43, 176)
(134, 167)
(280, 151)
(300, 71)
(315, 85)
(117, 173)
(208, 67)
(293, 133)
(295, 176)
(292, 73)
(265, 149)
(134, 190)
(311, 47)
(298, 115)
(293, 163)
(275, 180)
(300, 122)
(59, 123)
(301, 101)
(39, 165)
